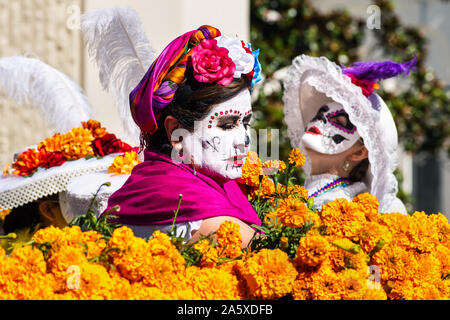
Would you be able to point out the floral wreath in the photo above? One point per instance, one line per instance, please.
(89, 141)
(212, 57)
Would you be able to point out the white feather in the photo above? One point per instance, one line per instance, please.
(29, 81)
(116, 40)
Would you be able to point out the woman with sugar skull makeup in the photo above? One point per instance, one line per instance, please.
(193, 108)
(346, 130)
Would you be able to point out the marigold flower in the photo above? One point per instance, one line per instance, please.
(269, 274)
(342, 218)
(312, 251)
(52, 144)
(296, 157)
(229, 239)
(27, 162)
(95, 128)
(77, 143)
(209, 254)
(124, 164)
(293, 212)
(251, 170)
(326, 284)
(368, 204)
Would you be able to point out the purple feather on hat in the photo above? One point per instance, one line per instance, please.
(374, 71)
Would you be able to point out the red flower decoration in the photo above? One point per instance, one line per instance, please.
(212, 63)
(50, 159)
(366, 86)
(108, 144)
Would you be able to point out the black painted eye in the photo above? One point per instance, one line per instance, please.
(319, 115)
(337, 138)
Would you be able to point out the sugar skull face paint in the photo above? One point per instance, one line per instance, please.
(220, 142)
(330, 131)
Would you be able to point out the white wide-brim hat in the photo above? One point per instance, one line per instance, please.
(16, 191)
(312, 82)
(79, 194)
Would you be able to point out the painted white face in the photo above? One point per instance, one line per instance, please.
(330, 131)
(220, 142)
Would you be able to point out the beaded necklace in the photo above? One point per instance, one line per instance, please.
(339, 182)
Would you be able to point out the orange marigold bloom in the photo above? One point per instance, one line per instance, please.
(312, 251)
(269, 274)
(345, 254)
(124, 164)
(326, 284)
(355, 284)
(53, 144)
(229, 239)
(212, 284)
(373, 236)
(293, 212)
(296, 157)
(251, 170)
(369, 205)
(95, 127)
(77, 143)
(27, 163)
(342, 218)
(209, 254)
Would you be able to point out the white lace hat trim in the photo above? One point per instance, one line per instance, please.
(311, 82)
(16, 191)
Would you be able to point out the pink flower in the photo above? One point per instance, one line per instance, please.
(212, 63)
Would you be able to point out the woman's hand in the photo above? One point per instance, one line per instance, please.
(211, 225)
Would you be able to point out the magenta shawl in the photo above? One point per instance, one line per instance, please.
(150, 195)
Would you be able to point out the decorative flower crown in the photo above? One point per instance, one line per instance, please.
(90, 140)
(213, 58)
(221, 59)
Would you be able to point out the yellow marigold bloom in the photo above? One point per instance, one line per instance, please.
(312, 251)
(77, 143)
(124, 164)
(209, 254)
(4, 213)
(296, 157)
(369, 205)
(293, 212)
(50, 234)
(212, 284)
(342, 218)
(95, 128)
(53, 144)
(269, 274)
(267, 188)
(229, 239)
(442, 227)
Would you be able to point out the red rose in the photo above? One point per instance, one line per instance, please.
(109, 144)
(50, 159)
(212, 63)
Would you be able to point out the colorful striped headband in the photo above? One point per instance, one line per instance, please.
(157, 88)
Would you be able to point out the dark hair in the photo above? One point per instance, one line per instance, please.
(25, 216)
(192, 101)
(359, 171)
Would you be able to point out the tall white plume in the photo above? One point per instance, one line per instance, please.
(30, 81)
(116, 40)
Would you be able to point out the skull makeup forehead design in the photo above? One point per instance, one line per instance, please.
(330, 131)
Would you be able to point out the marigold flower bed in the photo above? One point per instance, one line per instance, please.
(347, 250)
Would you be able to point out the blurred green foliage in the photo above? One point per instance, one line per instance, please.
(284, 29)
